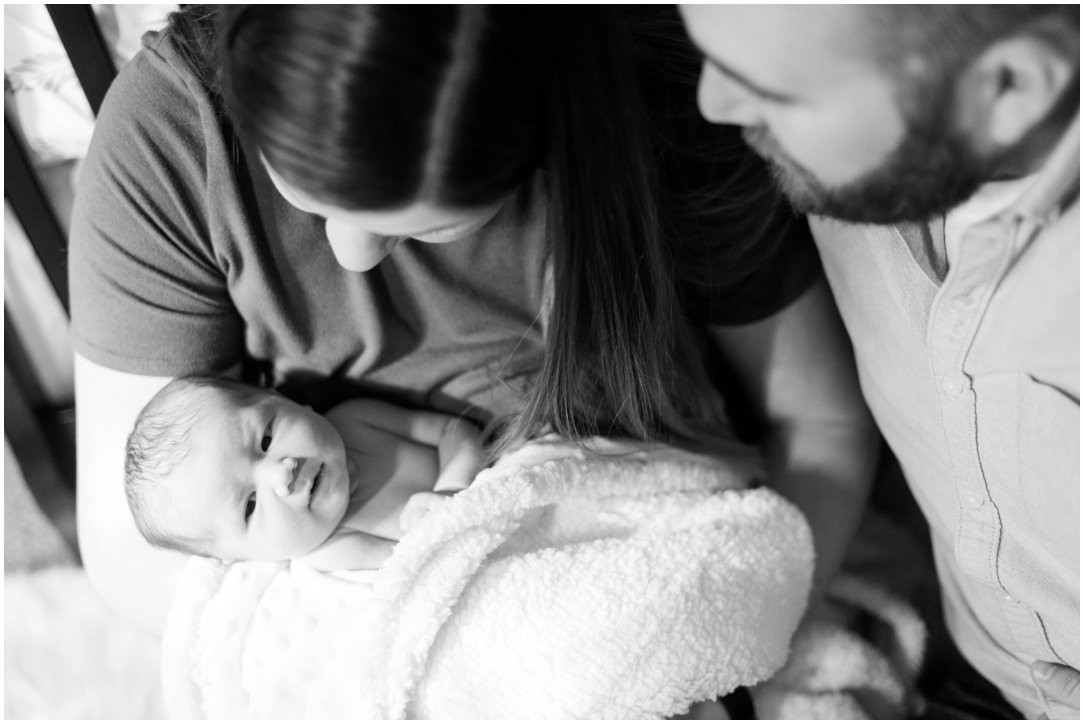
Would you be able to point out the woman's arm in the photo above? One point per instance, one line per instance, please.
(132, 576)
(820, 441)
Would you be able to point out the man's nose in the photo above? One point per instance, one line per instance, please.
(356, 249)
(722, 100)
(278, 475)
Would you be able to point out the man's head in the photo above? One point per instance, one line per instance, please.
(220, 469)
(890, 113)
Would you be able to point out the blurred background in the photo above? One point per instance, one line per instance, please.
(66, 656)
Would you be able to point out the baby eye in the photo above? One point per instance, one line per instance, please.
(250, 506)
(265, 440)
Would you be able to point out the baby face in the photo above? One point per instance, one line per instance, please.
(266, 480)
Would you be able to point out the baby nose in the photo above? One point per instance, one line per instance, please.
(280, 475)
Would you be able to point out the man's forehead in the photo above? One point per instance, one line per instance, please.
(797, 52)
(778, 29)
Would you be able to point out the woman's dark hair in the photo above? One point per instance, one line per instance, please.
(376, 107)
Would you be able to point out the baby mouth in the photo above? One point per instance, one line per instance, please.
(316, 480)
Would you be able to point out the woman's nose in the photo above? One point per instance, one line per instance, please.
(356, 249)
(721, 100)
(278, 475)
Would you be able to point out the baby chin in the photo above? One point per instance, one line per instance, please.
(325, 510)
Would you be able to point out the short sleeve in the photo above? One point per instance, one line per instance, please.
(739, 252)
(769, 279)
(149, 294)
(742, 254)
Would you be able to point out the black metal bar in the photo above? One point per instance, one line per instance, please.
(82, 39)
(55, 418)
(19, 365)
(22, 189)
(36, 456)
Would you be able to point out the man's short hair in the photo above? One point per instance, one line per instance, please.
(946, 38)
(952, 35)
(159, 441)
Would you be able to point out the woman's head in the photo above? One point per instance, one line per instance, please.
(360, 239)
(376, 107)
(373, 114)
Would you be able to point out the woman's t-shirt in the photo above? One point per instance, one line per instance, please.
(184, 259)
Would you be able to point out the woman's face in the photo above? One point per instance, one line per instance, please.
(361, 239)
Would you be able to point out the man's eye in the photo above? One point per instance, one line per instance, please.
(250, 506)
(265, 440)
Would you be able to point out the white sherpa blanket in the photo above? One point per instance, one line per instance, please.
(629, 582)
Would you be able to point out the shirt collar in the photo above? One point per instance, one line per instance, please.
(1057, 183)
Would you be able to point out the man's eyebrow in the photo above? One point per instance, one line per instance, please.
(743, 80)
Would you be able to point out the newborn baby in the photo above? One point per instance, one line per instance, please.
(222, 469)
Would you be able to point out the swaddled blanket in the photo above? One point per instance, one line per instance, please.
(627, 582)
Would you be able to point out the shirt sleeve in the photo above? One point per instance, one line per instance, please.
(739, 252)
(149, 292)
(745, 255)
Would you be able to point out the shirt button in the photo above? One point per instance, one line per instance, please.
(973, 500)
(952, 385)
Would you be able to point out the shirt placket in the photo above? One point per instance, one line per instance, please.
(954, 321)
(984, 256)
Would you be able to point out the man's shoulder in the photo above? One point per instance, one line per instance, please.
(851, 248)
(1066, 227)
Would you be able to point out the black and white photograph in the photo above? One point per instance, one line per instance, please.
(562, 361)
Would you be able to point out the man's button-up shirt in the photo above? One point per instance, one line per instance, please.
(974, 381)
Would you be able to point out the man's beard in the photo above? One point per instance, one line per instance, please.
(932, 170)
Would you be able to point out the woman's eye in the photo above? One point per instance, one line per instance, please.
(250, 506)
(265, 440)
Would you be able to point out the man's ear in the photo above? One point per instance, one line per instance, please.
(1017, 81)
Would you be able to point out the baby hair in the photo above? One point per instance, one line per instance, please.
(159, 441)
